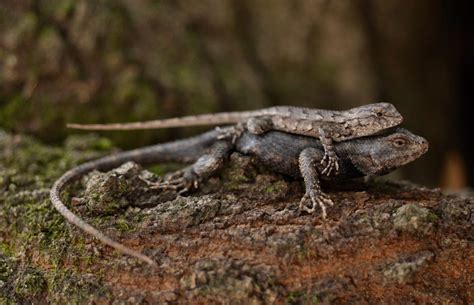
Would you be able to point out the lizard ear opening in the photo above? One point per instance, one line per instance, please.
(365, 164)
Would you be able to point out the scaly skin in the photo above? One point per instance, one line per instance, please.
(293, 155)
(327, 125)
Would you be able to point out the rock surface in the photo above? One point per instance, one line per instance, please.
(239, 240)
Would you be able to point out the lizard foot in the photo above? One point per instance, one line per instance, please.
(315, 199)
(232, 133)
(332, 164)
(181, 181)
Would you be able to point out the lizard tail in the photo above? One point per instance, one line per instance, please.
(194, 120)
(186, 150)
(55, 192)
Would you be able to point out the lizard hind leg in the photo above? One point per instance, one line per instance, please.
(231, 133)
(314, 196)
(207, 165)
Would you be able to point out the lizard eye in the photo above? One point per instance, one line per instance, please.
(399, 142)
(378, 113)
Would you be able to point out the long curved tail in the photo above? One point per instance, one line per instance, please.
(186, 150)
(194, 120)
(72, 218)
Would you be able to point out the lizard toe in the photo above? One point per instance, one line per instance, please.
(174, 175)
(332, 166)
(311, 200)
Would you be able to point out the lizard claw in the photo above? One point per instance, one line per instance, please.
(332, 164)
(232, 133)
(188, 185)
(174, 175)
(180, 181)
(164, 185)
(315, 199)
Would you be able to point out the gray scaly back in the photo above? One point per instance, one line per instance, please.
(371, 118)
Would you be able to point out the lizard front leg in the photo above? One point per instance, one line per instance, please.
(255, 125)
(259, 125)
(189, 178)
(330, 158)
(314, 196)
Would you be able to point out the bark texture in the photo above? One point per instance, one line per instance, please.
(239, 240)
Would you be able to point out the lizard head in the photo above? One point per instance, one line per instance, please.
(369, 119)
(384, 153)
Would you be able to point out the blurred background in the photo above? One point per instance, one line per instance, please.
(127, 60)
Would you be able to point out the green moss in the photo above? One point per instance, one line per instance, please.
(306, 254)
(13, 111)
(90, 142)
(162, 169)
(294, 297)
(301, 297)
(204, 212)
(276, 187)
(30, 226)
(235, 175)
(7, 301)
(64, 8)
(5, 249)
(106, 194)
(126, 223)
(66, 286)
(432, 217)
(413, 217)
(19, 282)
(7, 269)
(30, 285)
(26, 26)
(123, 225)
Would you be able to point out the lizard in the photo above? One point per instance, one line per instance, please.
(328, 126)
(288, 154)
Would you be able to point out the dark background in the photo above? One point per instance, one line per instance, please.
(127, 60)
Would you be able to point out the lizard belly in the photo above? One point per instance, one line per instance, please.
(277, 151)
(280, 151)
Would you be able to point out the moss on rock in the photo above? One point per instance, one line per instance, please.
(414, 218)
(239, 237)
(32, 233)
